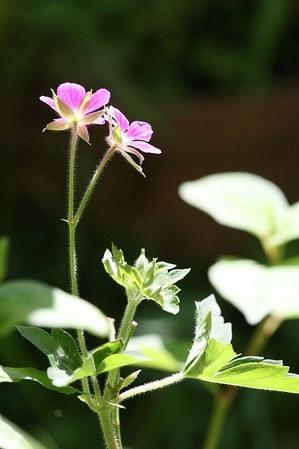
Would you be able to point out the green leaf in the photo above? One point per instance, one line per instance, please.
(119, 360)
(148, 279)
(32, 302)
(12, 437)
(212, 358)
(66, 350)
(209, 325)
(239, 200)
(4, 249)
(156, 354)
(17, 374)
(257, 290)
(39, 338)
(94, 364)
(127, 381)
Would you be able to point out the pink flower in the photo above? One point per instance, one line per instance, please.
(76, 106)
(129, 137)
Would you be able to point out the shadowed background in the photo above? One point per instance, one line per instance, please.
(219, 82)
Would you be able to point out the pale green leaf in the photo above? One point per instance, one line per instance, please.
(258, 290)
(214, 360)
(148, 279)
(32, 302)
(17, 374)
(157, 356)
(119, 360)
(239, 200)
(12, 437)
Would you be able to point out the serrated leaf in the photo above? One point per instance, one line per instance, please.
(17, 374)
(217, 362)
(4, 249)
(32, 302)
(209, 325)
(148, 279)
(257, 290)
(12, 437)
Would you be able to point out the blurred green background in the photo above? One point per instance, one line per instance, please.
(219, 81)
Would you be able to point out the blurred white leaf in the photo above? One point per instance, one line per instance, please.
(257, 290)
(11, 437)
(245, 201)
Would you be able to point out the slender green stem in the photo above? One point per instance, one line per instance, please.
(72, 241)
(92, 183)
(125, 332)
(152, 386)
(221, 406)
(263, 332)
(111, 441)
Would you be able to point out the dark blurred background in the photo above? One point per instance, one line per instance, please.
(219, 81)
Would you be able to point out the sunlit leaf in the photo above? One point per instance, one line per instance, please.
(156, 353)
(258, 290)
(12, 437)
(151, 280)
(32, 302)
(239, 200)
(214, 360)
(17, 374)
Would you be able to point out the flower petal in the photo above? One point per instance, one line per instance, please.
(71, 94)
(133, 151)
(82, 132)
(59, 124)
(145, 147)
(132, 162)
(93, 118)
(120, 118)
(49, 101)
(97, 101)
(140, 131)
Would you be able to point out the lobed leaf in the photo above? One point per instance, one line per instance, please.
(212, 358)
(148, 279)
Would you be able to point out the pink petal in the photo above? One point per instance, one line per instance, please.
(140, 131)
(97, 101)
(99, 121)
(133, 151)
(71, 94)
(83, 133)
(49, 101)
(93, 117)
(120, 118)
(145, 147)
(59, 124)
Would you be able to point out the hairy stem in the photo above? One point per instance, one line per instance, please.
(91, 186)
(110, 392)
(72, 240)
(152, 386)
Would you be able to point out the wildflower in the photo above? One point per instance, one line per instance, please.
(129, 137)
(76, 106)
